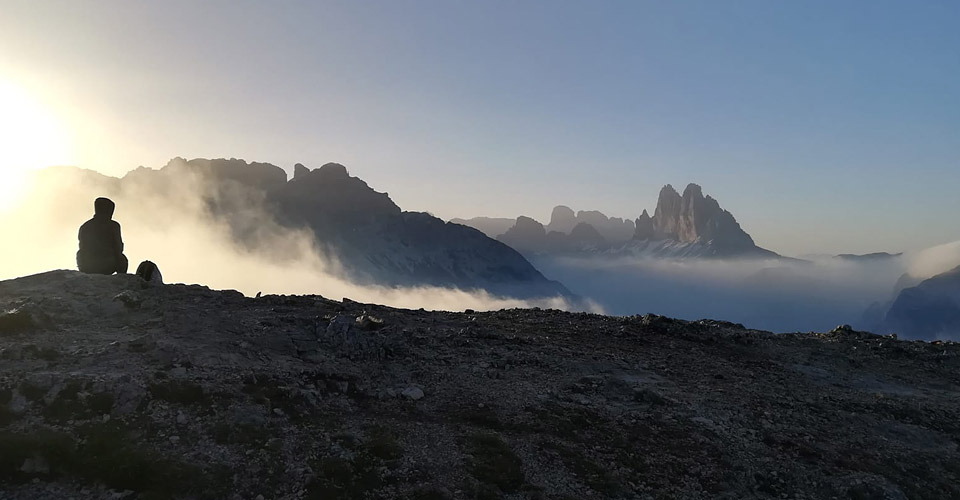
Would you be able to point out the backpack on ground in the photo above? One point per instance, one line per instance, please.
(149, 272)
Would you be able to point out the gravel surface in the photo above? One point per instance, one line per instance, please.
(110, 388)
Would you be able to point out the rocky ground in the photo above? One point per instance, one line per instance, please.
(110, 388)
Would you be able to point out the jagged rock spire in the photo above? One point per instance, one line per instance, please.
(692, 217)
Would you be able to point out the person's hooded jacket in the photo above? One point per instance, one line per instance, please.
(101, 247)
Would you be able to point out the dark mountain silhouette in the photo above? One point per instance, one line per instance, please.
(928, 310)
(563, 220)
(612, 229)
(531, 237)
(373, 240)
(688, 225)
(527, 235)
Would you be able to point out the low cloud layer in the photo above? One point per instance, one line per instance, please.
(167, 220)
(934, 260)
(776, 295)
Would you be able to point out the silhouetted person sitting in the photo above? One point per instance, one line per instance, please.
(101, 247)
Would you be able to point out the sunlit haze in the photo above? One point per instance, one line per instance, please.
(33, 137)
(825, 127)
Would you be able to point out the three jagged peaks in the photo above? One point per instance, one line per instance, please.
(692, 217)
(689, 224)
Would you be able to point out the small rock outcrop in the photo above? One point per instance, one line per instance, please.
(299, 171)
(562, 219)
(644, 227)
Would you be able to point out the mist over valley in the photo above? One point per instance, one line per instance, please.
(692, 260)
(240, 225)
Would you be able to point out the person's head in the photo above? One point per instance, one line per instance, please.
(103, 207)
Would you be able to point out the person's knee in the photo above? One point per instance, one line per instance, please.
(122, 264)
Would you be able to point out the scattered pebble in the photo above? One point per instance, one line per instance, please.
(413, 392)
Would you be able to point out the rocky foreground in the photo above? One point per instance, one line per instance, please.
(110, 388)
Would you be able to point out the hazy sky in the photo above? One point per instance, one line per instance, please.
(824, 126)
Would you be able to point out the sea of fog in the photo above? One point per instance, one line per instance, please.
(774, 295)
(169, 224)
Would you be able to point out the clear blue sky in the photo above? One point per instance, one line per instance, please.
(824, 126)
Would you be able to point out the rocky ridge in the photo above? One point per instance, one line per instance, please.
(683, 226)
(110, 388)
(490, 226)
(371, 239)
(613, 229)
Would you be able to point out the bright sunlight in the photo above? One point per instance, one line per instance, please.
(31, 137)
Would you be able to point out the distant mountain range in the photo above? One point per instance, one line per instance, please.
(869, 257)
(490, 226)
(690, 225)
(373, 240)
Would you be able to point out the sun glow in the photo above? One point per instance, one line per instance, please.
(31, 137)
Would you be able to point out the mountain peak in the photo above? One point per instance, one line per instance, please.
(613, 229)
(692, 218)
(562, 219)
(644, 227)
(668, 190)
(258, 175)
(693, 190)
(666, 216)
(329, 192)
(333, 171)
(299, 171)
